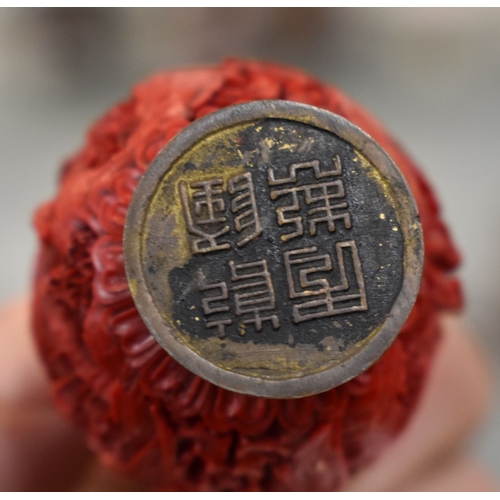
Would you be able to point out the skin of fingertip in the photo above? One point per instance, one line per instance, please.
(455, 400)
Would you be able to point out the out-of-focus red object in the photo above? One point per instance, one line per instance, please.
(141, 411)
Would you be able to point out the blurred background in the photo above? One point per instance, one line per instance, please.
(432, 76)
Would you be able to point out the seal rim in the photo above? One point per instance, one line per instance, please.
(406, 207)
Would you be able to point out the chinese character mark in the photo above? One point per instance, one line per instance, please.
(204, 218)
(323, 195)
(294, 167)
(322, 199)
(255, 294)
(327, 300)
(247, 221)
(213, 303)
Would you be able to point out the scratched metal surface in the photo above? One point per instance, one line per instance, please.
(173, 250)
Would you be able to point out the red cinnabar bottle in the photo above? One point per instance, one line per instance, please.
(142, 411)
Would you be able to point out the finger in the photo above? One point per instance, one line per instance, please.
(22, 377)
(99, 478)
(459, 474)
(454, 400)
(38, 449)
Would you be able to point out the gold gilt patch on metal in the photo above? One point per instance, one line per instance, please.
(274, 249)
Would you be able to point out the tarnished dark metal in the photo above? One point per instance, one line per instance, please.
(273, 249)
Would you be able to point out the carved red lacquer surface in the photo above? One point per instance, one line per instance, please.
(141, 411)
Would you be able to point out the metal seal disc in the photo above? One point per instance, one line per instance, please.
(274, 249)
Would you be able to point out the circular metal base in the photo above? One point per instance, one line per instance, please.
(274, 249)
